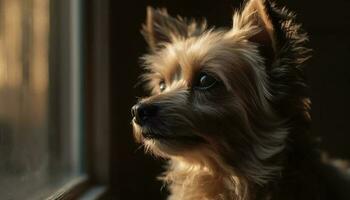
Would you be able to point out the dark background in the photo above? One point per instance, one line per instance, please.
(328, 22)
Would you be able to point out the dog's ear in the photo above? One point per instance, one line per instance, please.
(161, 28)
(256, 13)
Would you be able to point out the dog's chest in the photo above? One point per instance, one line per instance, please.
(203, 187)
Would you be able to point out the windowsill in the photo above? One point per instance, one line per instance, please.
(94, 193)
(79, 188)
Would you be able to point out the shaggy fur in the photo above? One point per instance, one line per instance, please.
(246, 138)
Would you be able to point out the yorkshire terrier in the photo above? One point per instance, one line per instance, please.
(229, 108)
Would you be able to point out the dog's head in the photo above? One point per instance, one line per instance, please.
(221, 95)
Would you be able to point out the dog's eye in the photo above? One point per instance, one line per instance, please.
(205, 81)
(162, 86)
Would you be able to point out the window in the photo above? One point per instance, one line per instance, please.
(43, 137)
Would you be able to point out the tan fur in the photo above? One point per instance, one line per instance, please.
(228, 143)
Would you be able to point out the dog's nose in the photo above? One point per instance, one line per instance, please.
(143, 112)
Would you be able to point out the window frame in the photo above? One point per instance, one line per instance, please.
(93, 20)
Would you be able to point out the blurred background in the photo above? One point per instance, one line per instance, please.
(68, 70)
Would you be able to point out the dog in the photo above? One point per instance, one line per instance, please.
(230, 110)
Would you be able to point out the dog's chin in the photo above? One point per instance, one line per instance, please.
(168, 148)
(166, 145)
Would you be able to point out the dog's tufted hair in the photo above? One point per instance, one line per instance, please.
(240, 139)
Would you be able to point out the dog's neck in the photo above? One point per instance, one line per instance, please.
(189, 182)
